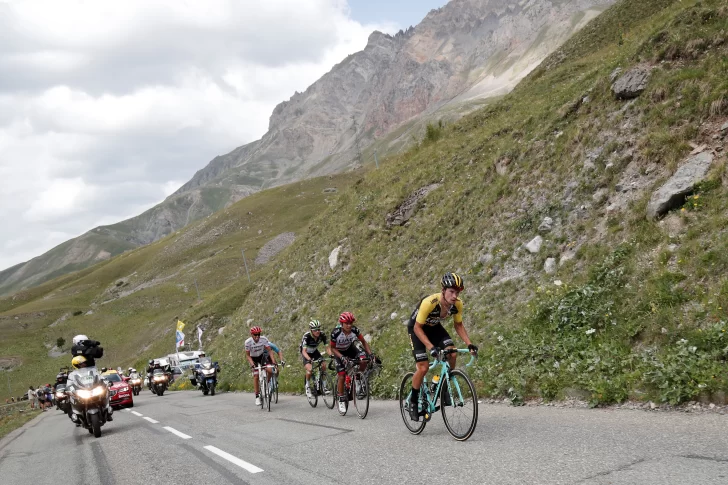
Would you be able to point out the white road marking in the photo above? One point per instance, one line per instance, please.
(137, 414)
(233, 459)
(127, 410)
(151, 420)
(178, 433)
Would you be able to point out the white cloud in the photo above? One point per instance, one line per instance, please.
(107, 107)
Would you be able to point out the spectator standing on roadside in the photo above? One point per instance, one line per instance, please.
(32, 397)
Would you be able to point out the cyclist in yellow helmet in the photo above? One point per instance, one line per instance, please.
(427, 334)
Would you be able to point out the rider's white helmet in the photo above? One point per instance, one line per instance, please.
(79, 338)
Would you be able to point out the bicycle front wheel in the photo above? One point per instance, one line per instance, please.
(361, 395)
(263, 392)
(459, 405)
(405, 389)
(327, 385)
(269, 392)
(311, 393)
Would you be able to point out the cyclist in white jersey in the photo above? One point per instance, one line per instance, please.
(258, 351)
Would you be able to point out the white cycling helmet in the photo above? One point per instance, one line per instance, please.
(79, 338)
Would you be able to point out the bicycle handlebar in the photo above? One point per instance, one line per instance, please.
(444, 352)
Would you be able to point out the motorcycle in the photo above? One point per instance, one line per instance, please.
(62, 402)
(135, 381)
(159, 382)
(89, 401)
(206, 376)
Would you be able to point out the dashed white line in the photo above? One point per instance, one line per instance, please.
(233, 459)
(178, 433)
(137, 414)
(151, 420)
(126, 410)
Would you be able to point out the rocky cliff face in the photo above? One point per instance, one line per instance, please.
(463, 51)
(460, 53)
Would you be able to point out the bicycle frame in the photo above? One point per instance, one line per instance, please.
(444, 377)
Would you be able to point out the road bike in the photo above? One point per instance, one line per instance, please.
(322, 383)
(273, 383)
(356, 385)
(268, 387)
(455, 392)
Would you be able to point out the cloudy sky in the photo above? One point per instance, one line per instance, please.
(107, 107)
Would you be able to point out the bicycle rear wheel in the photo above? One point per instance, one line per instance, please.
(461, 412)
(311, 395)
(275, 389)
(414, 427)
(361, 395)
(327, 384)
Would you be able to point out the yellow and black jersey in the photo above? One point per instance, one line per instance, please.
(428, 312)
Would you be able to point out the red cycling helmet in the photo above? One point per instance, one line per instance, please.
(347, 317)
(255, 330)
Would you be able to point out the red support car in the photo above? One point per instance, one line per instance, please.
(119, 390)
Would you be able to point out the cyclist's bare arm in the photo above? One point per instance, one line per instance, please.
(365, 344)
(460, 329)
(250, 359)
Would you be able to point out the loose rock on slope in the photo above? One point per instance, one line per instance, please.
(672, 193)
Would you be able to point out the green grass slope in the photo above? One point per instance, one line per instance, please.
(131, 302)
(639, 312)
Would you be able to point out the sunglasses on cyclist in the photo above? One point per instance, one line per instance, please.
(256, 335)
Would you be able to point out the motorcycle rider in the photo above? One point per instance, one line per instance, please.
(80, 362)
(61, 379)
(85, 352)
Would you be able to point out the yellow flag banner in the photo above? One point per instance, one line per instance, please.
(180, 325)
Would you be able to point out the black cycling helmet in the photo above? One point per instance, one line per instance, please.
(151, 361)
(104, 369)
(452, 280)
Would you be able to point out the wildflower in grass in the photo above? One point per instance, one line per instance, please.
(500, 338)
(591, 331)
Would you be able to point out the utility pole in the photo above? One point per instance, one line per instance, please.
(198, 290)
(246, 264)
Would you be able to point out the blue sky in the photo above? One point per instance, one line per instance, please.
(402, 12)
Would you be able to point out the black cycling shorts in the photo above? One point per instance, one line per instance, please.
(437, 335)
(262, 359)
(352, 353)
(315, 355)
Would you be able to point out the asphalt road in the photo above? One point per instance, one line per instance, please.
(187, 438)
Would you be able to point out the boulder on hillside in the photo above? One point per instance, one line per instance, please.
(672, 193)
(334, 257)
(534, 245)
(631, 84)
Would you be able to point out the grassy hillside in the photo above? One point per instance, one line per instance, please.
(639, 312)
(634, 309)
(131, 302)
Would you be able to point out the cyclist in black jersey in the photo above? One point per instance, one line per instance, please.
(427, 334)
(309, 349)
(342, 345)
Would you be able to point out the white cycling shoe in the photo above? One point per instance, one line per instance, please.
(257, 401)
(342, 407)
